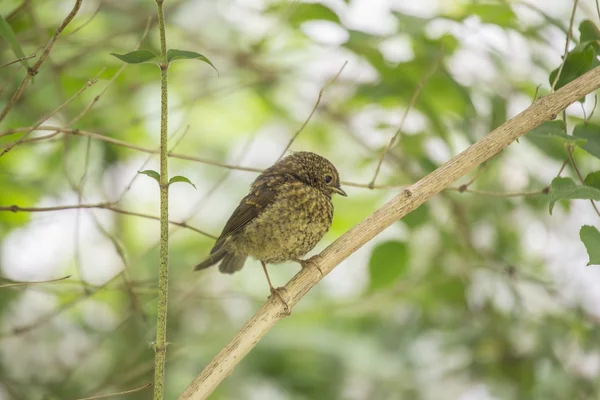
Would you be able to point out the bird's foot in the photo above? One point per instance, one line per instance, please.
(277, 292)
(311, 263)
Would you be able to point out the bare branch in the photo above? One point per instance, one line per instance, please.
(43, 119)
(409, 199)
(566, 52)
(105, 396)
(411, 104)
(36, 67)
(104, 206)
(313, 110)
(462, 189)
(17, 60)
(22, 283)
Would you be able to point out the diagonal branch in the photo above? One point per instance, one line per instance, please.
(329, 82)
(409, 199)
(411, 104)
(36, 67)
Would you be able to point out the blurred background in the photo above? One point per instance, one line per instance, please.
(479, 294)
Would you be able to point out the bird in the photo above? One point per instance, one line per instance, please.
(286, 212)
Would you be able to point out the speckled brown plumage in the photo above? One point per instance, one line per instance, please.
(286, 213)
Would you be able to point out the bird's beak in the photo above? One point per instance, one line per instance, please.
(339, 191)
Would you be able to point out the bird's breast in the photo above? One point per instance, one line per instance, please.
(290, 226)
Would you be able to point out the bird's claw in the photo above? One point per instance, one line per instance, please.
(277, 292)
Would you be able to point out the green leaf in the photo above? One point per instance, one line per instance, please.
(389, 261)
(180, 178)
(565, 188)
(152, 174)
(590, 237)
(578, 62)
(137, 57)
(553, 129)
(497, 14)
(7, 33)
(499, 113)
(593, 180)
(590, 132)
(588, 31)
(550, 137)
(302, 12)
(174, 54)
(417, 217)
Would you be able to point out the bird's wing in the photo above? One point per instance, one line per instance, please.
(249, 208)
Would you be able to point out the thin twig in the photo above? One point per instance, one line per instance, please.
(36, 67)
(474, 178)
(23, 283)
(104, 206)
(409, 199)
(111, 81)
(43, 119)
(105, 396)
(460, 189)
(79, 186)
(566, 52)
(587, 120)
(97, 136)
(90, 19)
(411, 104)
(18, 60)
(176, 223)
(369, 186)
(562, 167)
(313, 110)
(581, 179)
(117, 142)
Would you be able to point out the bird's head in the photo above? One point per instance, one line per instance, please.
(312, 169)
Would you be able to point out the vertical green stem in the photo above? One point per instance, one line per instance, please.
(163, 274)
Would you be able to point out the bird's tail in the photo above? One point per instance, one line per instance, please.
(230, 262)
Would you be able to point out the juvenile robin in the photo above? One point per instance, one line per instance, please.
(286, 213)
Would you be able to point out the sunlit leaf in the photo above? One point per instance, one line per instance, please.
(567, 189)
(590, 132)
(152, 174)
(593, 179)
(302, 12)
(588, 31)
(590, 237)
(578, 62)
(498, 14)
(137, 57)
(174, 54)
(180, 178)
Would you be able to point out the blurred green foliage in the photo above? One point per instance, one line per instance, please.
(477, 294)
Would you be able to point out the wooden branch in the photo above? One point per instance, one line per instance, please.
(409, 199)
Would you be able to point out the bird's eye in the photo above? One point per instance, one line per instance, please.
(328, 179)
